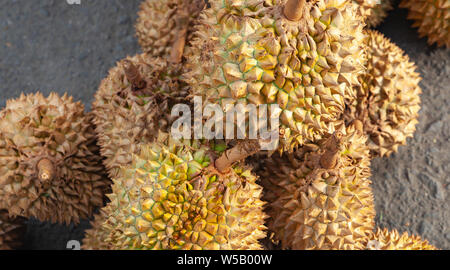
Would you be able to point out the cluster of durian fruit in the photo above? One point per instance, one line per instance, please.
(346, 94)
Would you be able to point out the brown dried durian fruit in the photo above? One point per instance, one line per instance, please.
(11, 231)
(132, 104)
(373, 11)
(388, 100)
(392, 240)
(432, 18)
(163, 24)
(50, 165)
(319, 197)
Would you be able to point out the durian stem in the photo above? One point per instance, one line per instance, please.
(46, 170)
(240, 151)
(329, 158)
(133, 75)
(178, 47)
(293, 10)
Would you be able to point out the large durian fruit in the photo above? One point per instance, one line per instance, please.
(373, 11)
(432, 18)
(11, 231)
(392, 240)
(172, 197)
(50, 166)
(132, 104)
(163, 24)
(319, 197)
(303, 55)
(388, 100)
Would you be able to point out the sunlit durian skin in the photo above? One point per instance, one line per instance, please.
(159, 22)
(373, 11)
(11, 231)
(171, 198)
(126, 117)
(251, 54)
(54, 128)
(383, 239)
(432, 18)
(312, 207)
(388, 100)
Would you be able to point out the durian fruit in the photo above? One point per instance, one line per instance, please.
(388, 100)
(163, 23)
(172, 197)
(11, 231)
(373, 11)
(132, 104)
(303, 55)
(50, 166)
(432, 18)
(392, 240)
(319, 197)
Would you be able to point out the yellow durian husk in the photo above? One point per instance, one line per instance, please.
(383, 239)
(317, 202)
(125, 116)
(250, 53)
(160, 22)
(171, 197)
(51, 168)
(373, 11)
(388, 100)
(432, 18)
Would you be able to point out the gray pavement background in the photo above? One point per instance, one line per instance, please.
(49, 45)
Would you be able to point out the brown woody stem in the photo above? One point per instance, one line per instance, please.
(293, 10)
(133, 75)
(178, 47)
(46, 170)
(332, 151)
(240, 151)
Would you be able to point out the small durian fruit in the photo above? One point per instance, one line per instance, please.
(172, 197)
(388, 100)
(432, 18)
(11, 231)
(374, 11)
(319, 197)
(392, 240)
(50, 165)
(163, 25)
(132, 104)
(304, 56)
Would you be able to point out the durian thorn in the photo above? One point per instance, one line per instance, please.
(293, 9)
(133, 75)
(331, 153)
(46, 170)
(358, 126)
(240, 151)
(178, 46)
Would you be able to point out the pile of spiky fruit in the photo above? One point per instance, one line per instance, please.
(345, 94)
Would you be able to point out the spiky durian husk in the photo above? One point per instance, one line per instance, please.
(313, 206)
(11, 231)
(170, 197)
(379, 13)
(373, 11)
(159, 23)
(55, 129)
(126, 117)
(252, 54)
(392, 240)
(388, 100)
(432, 18)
